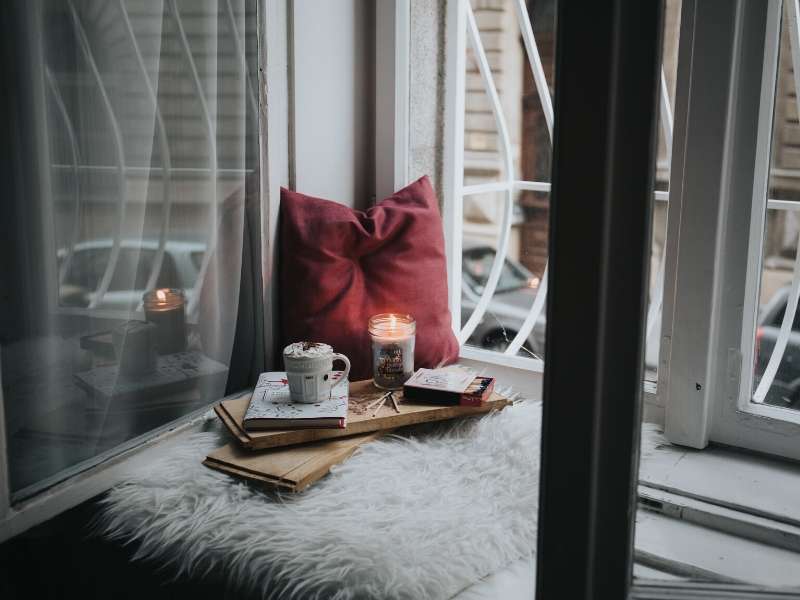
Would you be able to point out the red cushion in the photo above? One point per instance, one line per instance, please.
(340, 266)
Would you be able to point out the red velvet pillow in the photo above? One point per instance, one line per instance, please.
(340, 266)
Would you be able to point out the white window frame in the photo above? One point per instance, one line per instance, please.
(724, 108)
(392, 95)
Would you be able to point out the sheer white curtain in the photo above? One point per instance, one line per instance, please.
(140, 120)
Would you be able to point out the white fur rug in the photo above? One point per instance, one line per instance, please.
(405, 517)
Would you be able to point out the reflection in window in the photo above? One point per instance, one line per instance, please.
(148, 132)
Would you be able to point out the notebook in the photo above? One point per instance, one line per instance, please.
(271, 407)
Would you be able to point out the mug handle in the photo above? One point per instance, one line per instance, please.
(346, 361)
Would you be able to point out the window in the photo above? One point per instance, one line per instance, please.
(499, 175)
(137, 148)
(732, 298)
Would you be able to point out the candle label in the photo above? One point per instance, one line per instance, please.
(389, 366)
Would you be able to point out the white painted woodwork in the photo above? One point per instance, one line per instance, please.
(750, 483)
(685, 374)
(274, 145)
(721, 518)
(392, 30)
(90, 483)
(332, 111)
(705, 554)
(453, 151)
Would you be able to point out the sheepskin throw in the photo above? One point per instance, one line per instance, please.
(422, 516)
(404, 517)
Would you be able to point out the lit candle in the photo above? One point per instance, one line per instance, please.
(166, 309)
(392, 349)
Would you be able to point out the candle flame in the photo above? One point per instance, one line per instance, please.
(393, 322)
(161, 295)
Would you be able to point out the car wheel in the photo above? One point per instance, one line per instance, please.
(496, 341)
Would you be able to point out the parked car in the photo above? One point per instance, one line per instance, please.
(785, 388)
(511, 303)
(179, 269)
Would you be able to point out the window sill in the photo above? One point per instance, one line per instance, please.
(718, 514)
(490, 357)
(88, 482)
(717, 542)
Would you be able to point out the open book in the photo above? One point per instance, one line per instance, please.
(271, 406)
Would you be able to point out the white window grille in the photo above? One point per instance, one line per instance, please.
(464, 33)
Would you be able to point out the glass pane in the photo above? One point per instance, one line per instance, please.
(485, 163)
(138, 131)
(781, 385)
(531, 156)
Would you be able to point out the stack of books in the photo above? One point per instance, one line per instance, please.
(289, 446)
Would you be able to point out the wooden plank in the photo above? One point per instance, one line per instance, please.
(292, 469)
(231, 413)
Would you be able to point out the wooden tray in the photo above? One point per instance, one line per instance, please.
(231, 412)
(289, 469)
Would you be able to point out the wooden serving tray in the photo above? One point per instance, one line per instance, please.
(289, 469)
(231, 412)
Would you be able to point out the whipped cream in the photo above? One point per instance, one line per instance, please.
(307, 350)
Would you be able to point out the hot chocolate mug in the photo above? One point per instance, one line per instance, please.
(309, 370)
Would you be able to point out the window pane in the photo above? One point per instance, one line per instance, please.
(493, 156)
(780, 385)
(139, 130)
(527, 156)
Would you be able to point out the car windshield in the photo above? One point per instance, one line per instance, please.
(477, 264)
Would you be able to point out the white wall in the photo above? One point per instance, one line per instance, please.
(333, 99)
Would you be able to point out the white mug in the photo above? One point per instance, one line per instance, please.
(309, 370)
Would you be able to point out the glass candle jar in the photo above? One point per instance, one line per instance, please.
(166, 309)
(392, 349)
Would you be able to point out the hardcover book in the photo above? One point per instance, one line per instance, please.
(362, 393)
(271, 406)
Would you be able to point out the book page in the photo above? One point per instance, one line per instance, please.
(271, 400)
(447, 379)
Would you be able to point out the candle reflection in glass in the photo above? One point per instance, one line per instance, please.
(166, 309)
(393, 338)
